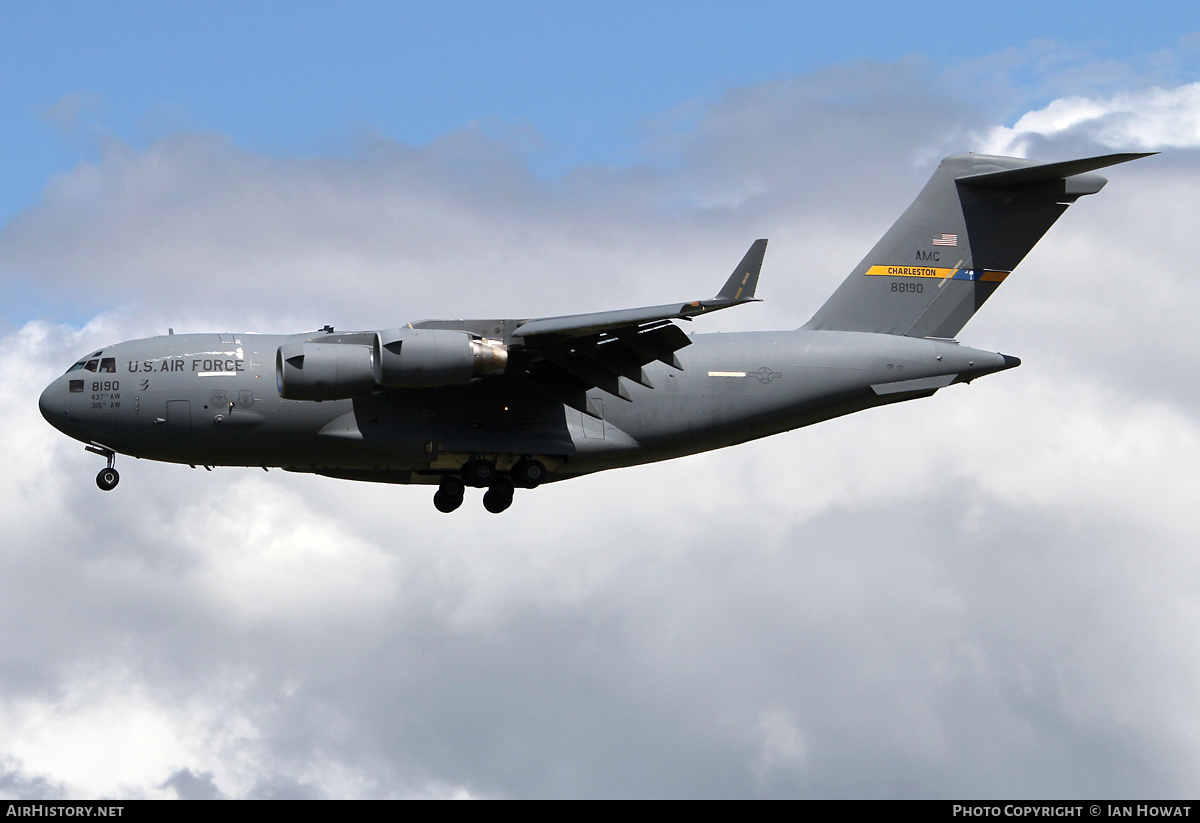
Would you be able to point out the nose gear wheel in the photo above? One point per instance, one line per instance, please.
(108, 479)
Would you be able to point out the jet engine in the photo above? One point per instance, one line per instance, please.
(407, 358)
(316, 371)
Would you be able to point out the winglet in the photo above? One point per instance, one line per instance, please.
(741, 284)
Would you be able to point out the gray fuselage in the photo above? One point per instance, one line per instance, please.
(209, 399)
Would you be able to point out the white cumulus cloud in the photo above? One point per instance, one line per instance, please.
(1147, 120)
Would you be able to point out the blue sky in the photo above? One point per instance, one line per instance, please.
(987, 593)
(569, 83)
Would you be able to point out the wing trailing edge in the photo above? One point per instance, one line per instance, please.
(738, 289)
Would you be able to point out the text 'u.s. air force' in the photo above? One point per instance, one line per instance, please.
(231, 364)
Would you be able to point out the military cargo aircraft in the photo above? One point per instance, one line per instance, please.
(503, 404)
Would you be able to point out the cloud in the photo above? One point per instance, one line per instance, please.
(989, 592)
(1149, 119)
(190, 786)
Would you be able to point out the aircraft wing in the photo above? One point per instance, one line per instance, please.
(738, 289)
(565, 357)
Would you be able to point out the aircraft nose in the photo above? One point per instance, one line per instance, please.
(51, 406)
(44, 404)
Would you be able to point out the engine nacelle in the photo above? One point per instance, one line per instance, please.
(434, 357)
(324, 371)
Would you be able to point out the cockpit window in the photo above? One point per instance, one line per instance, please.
(91, 365)
(76, 367)
(108, 365)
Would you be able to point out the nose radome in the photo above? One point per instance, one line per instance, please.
(51, 406)
(44, 404)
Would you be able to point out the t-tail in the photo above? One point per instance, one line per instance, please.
(974, 221)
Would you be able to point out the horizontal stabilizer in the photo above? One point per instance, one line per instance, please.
(1046, 172)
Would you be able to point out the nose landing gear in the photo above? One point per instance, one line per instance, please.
(108, 478)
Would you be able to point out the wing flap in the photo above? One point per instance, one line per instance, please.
(559, 385)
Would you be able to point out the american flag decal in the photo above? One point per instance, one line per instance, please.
(946, 240)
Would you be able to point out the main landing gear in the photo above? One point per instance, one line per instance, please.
(108, 478)
(449, 495)
(499, 495)
(526, 473)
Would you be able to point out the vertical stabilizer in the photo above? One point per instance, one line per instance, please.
(974, 221)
